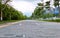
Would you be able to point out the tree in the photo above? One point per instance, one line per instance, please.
(56, 3)
(9, 13)
(2, 8)
(39, 10)
(47, 15)
(47, 5)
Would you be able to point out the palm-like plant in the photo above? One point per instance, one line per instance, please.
(47, 5)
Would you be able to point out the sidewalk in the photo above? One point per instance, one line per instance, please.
(8, 24)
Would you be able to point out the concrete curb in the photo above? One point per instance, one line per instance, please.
(9, 24)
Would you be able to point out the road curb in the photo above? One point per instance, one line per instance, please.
(8, 24)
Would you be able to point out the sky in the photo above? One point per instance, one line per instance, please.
(25, 6)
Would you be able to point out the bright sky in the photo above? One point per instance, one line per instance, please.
(26, 6)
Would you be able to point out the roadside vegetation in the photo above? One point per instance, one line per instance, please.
(56, 20)
(8, 13)
(8, 21)
(44, 12)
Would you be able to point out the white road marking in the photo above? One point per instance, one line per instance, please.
(37, 24)
(24, 36)
(20, 24)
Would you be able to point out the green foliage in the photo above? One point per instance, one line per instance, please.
(39, 11)
(56, 3)
(9, 13)
(56, 20)
(47, 4)
(48, 15)
(8, 21)
(40, 4)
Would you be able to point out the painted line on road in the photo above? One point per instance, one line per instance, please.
(20, 24)
(37, 24)
(24, 36)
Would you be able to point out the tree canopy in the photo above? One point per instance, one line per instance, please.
(7, 12)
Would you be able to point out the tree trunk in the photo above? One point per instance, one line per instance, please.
(59, 9)
(1, 16)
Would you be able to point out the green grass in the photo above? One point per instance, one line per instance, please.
(57, 20)
(8, 21)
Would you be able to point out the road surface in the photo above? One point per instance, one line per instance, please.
(31, 29)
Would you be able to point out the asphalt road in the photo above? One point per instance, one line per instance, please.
(31, 29)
